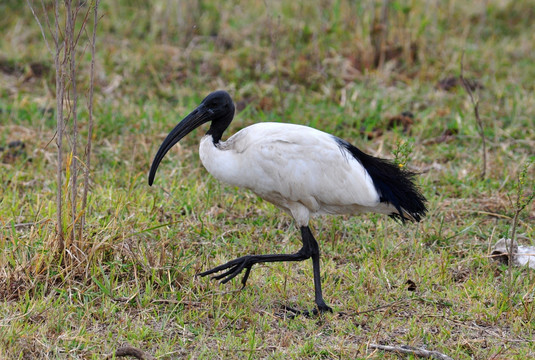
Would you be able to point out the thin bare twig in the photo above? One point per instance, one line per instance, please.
(387, 306)
(54, 37)
(23, 225)
(70, 51)
(40, 26)
(84, 22)
(90, 110)
(404, 349)
(475, 104)
(66, 36)
(60, 94)
(47, 20)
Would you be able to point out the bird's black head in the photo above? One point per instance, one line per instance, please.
(219, 103)
(216, 107)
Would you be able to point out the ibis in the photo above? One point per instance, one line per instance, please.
(301, 170)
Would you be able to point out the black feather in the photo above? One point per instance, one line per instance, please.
(395, 185)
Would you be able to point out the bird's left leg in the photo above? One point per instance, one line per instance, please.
(236, 266)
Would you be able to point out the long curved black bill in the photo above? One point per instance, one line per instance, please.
(195, 119)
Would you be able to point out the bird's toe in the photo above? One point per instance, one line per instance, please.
(323, 308)
(233, 268)
(293, 313)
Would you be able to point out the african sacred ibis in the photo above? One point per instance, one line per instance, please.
(303, 171)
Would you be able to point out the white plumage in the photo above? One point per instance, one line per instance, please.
(303, 171)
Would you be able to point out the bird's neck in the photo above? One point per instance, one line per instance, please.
(218, 126)
(216, 136)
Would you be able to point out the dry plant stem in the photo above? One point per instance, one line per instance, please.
(65, 38)
(90, 110)
(23, 225)
(60, 92)
(40, 25)
(71, 53)
(475, 104)
(412, 351)
(387, 306)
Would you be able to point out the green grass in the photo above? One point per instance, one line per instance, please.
(301, 62)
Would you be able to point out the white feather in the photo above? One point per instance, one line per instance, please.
(300, 169)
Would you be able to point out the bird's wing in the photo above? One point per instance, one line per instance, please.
(305, 165)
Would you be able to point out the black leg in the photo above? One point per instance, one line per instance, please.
(310, 249)
(236, 266)
(315, 254)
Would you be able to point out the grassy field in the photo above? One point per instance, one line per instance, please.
(430, 285)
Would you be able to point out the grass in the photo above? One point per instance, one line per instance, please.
(156, 60)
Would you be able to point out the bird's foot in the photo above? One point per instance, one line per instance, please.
(233, 267)
(307, 313)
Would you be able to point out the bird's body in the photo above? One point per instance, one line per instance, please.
(303, 171)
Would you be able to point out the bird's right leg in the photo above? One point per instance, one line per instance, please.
(236, 266)
(321, 306)
(315, 254)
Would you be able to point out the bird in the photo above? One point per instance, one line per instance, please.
(301, 170)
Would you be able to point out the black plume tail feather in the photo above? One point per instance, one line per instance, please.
(394, 184)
